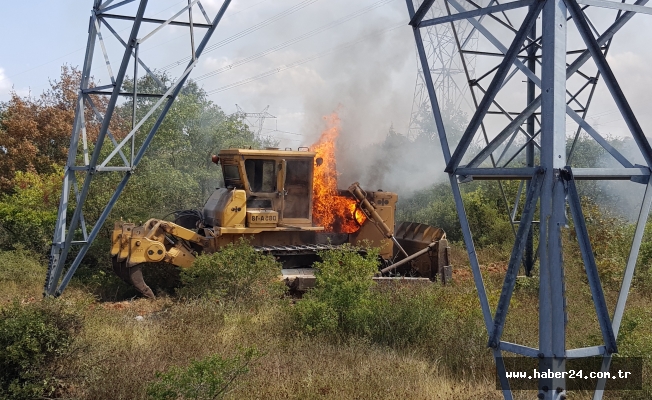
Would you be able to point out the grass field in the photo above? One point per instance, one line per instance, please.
(424, 342)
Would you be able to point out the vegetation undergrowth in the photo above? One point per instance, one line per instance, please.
(33, 337)
(206, 379)
(341, 301)
(21, 271)
(235, 274)
(347, 302)
(343, 335)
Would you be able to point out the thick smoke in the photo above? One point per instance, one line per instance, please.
(402, 165)
(393, 163)
(372, 95)
(622, 197)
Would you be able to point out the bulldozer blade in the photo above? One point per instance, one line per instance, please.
(133, 276)
(415, 237)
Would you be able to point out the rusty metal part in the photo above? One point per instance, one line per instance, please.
(296, 250)
(132, 276)
(401, 280)
(414, 238)
(370, 212)
(408, 259)
(136, 275)
(120, 269)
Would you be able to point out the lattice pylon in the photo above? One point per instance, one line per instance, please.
(120, 154)
(447, 71)
(551, 83)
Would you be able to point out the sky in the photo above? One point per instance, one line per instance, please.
(372, 79)
(303, 58)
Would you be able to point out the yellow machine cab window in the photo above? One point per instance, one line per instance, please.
(231, 175)
(261, 175)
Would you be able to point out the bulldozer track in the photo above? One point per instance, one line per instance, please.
(305, 249)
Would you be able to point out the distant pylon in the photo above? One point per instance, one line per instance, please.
(254, 120)
(447, 69)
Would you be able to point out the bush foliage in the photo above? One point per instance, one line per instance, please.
(235, 273)
(21, 268)
(205, 379)
(347, 303)
(341, 299)
(484, 205)
(32, 337)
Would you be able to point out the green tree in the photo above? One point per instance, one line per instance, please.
(176, 172)
(484, 204)
(28, 214)
(194, 129)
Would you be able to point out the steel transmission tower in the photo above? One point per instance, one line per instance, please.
(90, 157)
(446, 70)
(255, 120)
(523, 101)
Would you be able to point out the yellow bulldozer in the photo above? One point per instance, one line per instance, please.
(272, 199)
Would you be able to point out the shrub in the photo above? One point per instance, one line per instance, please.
(635, 340)
(485, 209)
(527, 285)
(315, 316)
(20, 274)
(235, 273)
(610, 241)
(208, 378)
(643, 273)
(341, 299)
(32, 337)
(431, 319)
(404, 315)
(436, 320)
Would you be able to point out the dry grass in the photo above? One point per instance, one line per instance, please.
(21, 276)
(117, 355)
(121, 354)
(309, 369)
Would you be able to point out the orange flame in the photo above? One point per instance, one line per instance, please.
(334, 212)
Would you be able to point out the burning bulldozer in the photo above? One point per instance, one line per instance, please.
(285, 203)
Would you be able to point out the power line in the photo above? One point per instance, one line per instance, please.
(241, 34)
(83, 48)
(184, 35)
(278, 130)
(304, 60)
(283, 138)
(297, 39)
(252, 6)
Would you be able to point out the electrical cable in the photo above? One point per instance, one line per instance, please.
(297, 39)
(243, 33)
(303, 61)
(278, 130)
